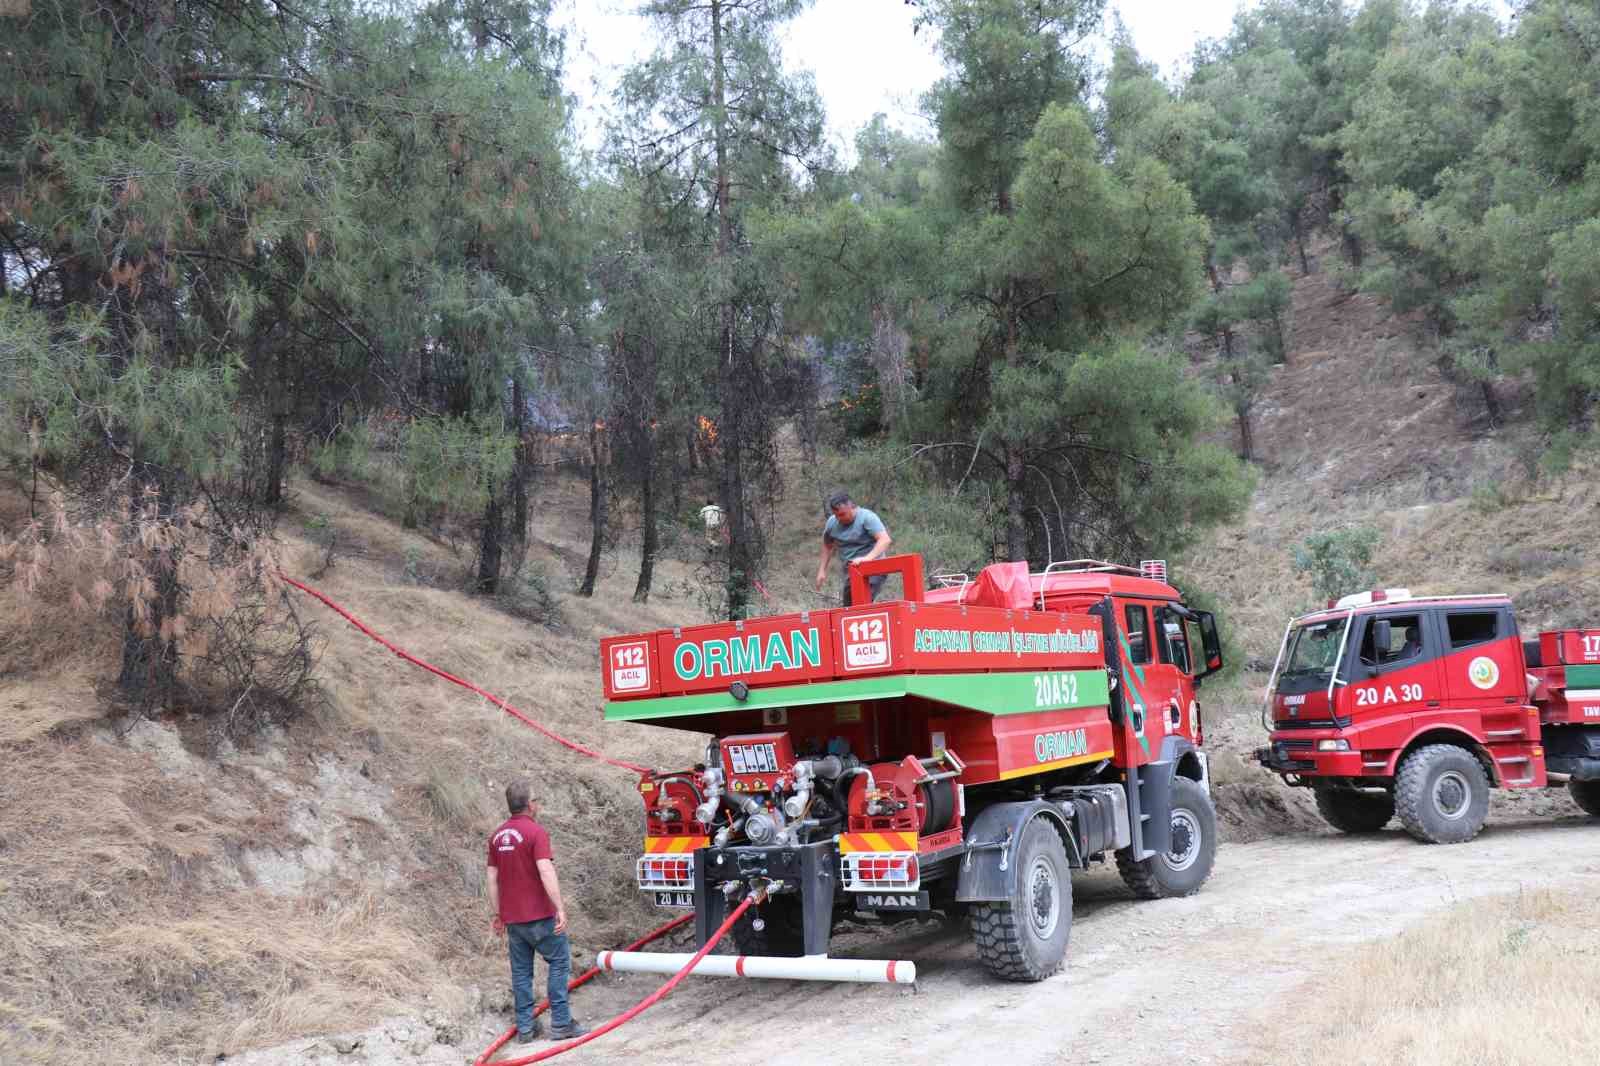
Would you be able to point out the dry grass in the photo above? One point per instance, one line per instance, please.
(1498, 982)
(47, 681)
(167, 895)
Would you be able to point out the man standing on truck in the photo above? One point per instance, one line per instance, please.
(858, 535)
(711, 515)
(525, 897)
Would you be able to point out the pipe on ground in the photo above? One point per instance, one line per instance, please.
(812, 968)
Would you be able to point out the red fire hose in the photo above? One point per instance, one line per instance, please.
(584, 978)
(468, 685)
(632, 1012)
(653, 998)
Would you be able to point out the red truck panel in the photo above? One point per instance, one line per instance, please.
(904, 638)
(895, 637)
(629, 666)
(1570, 647)
(781, 650)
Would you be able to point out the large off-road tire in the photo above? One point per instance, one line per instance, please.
(782, 932)
(1181, 871)
(1442, 794)
(1586, 794)
(1350, 811)
(1025, 938)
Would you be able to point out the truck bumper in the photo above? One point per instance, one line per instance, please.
(1280, 758)
(808, 872)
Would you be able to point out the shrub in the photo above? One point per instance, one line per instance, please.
(206, 621)
(1490, 496)
(1519, 562)
(532, 598)
(1337, 561)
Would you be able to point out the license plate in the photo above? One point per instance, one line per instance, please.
(892, 901)
(675, 899)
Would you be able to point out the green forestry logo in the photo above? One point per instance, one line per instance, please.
(17, 9)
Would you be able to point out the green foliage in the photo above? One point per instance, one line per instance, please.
(1008, 61)
(1338, 561)
(858, 414)
(1489, 497)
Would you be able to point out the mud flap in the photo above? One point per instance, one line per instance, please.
(1150, 807)
(988, 873)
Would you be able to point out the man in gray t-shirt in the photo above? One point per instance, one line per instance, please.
(858, 535)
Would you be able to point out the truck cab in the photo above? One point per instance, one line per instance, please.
(1387, 703)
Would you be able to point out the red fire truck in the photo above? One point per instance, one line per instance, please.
(1388, 704)
(957, 750)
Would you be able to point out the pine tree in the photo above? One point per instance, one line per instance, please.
(714, 105)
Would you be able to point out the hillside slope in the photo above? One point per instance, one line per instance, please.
(211, 897)
(217, 896)
(1360, 428)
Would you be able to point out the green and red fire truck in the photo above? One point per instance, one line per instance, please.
(1386, 704)
(957, 751)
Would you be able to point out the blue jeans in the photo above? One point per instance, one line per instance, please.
(523, 939)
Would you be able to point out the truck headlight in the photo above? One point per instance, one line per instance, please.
(1333, 745)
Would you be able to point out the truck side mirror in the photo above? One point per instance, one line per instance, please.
(1211, 644)
(1382, 634)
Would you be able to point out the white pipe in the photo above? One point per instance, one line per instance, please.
(810, 968)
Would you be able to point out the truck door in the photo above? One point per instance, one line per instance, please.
(1171, 689)
(1134, 651)
(1397, 670)
(1482, 662)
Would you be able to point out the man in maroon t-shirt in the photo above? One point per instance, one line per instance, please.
(526, 900)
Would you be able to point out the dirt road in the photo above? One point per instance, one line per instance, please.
(1175, 980)
(1187, 981)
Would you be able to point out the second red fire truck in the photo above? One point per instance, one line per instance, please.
(1388, 705)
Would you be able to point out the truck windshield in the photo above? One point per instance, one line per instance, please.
(1313, 653)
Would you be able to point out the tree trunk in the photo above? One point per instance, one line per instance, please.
(149, 668)
(1490, 401)
(521, 472)
(675, 472)
(597, 509)
(647, 519)
(734, 390)
(1350, 241)
(276, 458)
(1216, 289)
(1247, 436)
(491, 546)
(890, 345)
(1300, 241)
(1016, 506)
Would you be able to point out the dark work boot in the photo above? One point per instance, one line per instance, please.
(532, 1034)
(572, 1029)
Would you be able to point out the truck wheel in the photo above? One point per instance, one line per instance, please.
(1025, 938)
(1442, 794)
(1355, 812)
(782, 932)
(1585, 794)
(1181, 871)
